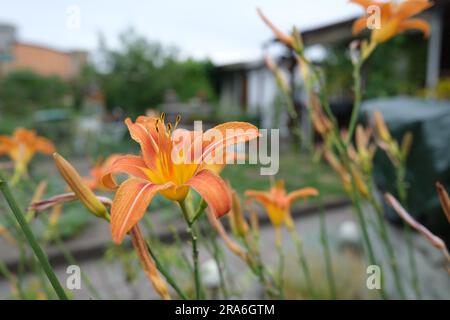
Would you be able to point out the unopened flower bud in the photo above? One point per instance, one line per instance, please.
(75, 182)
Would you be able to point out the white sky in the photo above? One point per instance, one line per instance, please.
(223, 30)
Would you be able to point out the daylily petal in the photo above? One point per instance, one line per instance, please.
(129, 205)
(44, 145)
(410, 8)
(133, 165)
(359, 25)
(416, 24)
(385, 7)
(261, 196)
(220, 137)
(213, 190)
(286, 39)
(140, 134)
(302, 193)
(363, 3)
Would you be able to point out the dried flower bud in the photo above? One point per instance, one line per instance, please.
(284, 38)
(406, 145)
(237, 220)
(434, 240)
(281, 81)
(61, 199)
(381, 128)
(37, 196)
(444, 199)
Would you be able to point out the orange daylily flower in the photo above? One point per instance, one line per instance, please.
(278, 203)
(394, 18)
(171, 165)
(22, 146)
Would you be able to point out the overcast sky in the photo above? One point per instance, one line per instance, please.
(222, 30)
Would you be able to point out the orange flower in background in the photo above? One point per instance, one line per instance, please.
(278, 203)
(94, 180)
(394, 18)
(22, 146)
(169, 169)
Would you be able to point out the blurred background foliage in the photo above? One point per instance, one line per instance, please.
(398, 67)
(139, 74)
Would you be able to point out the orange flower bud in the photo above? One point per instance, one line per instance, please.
(406, 144)
(381, 128)
(75, 182)
(237, 220)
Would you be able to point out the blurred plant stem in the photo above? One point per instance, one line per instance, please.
(159, 265)
(403, 197)
(257, 267)
(165, 273)
(366, 51)
(365, 232)
(40, 255)
(12, 280)
(303, 262)
(53, 230)
(190, 219)
(384, 234)
(279, 247)
(326, 250)
(357, 101)
(213, 247)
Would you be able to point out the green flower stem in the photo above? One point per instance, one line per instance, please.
(364, 231)
(357, 101)
(71, 259)
(280, 271)
(166, 274)
(357, 65)
(12, 280)
(213, 247)
(326, 250)
(403, 195)
(40, 255)
(194, 238)
(303, 263)
(389, 248)
(217, 253)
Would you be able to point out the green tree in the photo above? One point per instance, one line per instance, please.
(24, 91)
(136, 76)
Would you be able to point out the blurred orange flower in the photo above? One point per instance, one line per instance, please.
(22, 146)
(394, 18)
(94, 180)
(164, 167)
(278, 203)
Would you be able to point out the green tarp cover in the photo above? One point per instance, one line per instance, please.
(429, 160)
